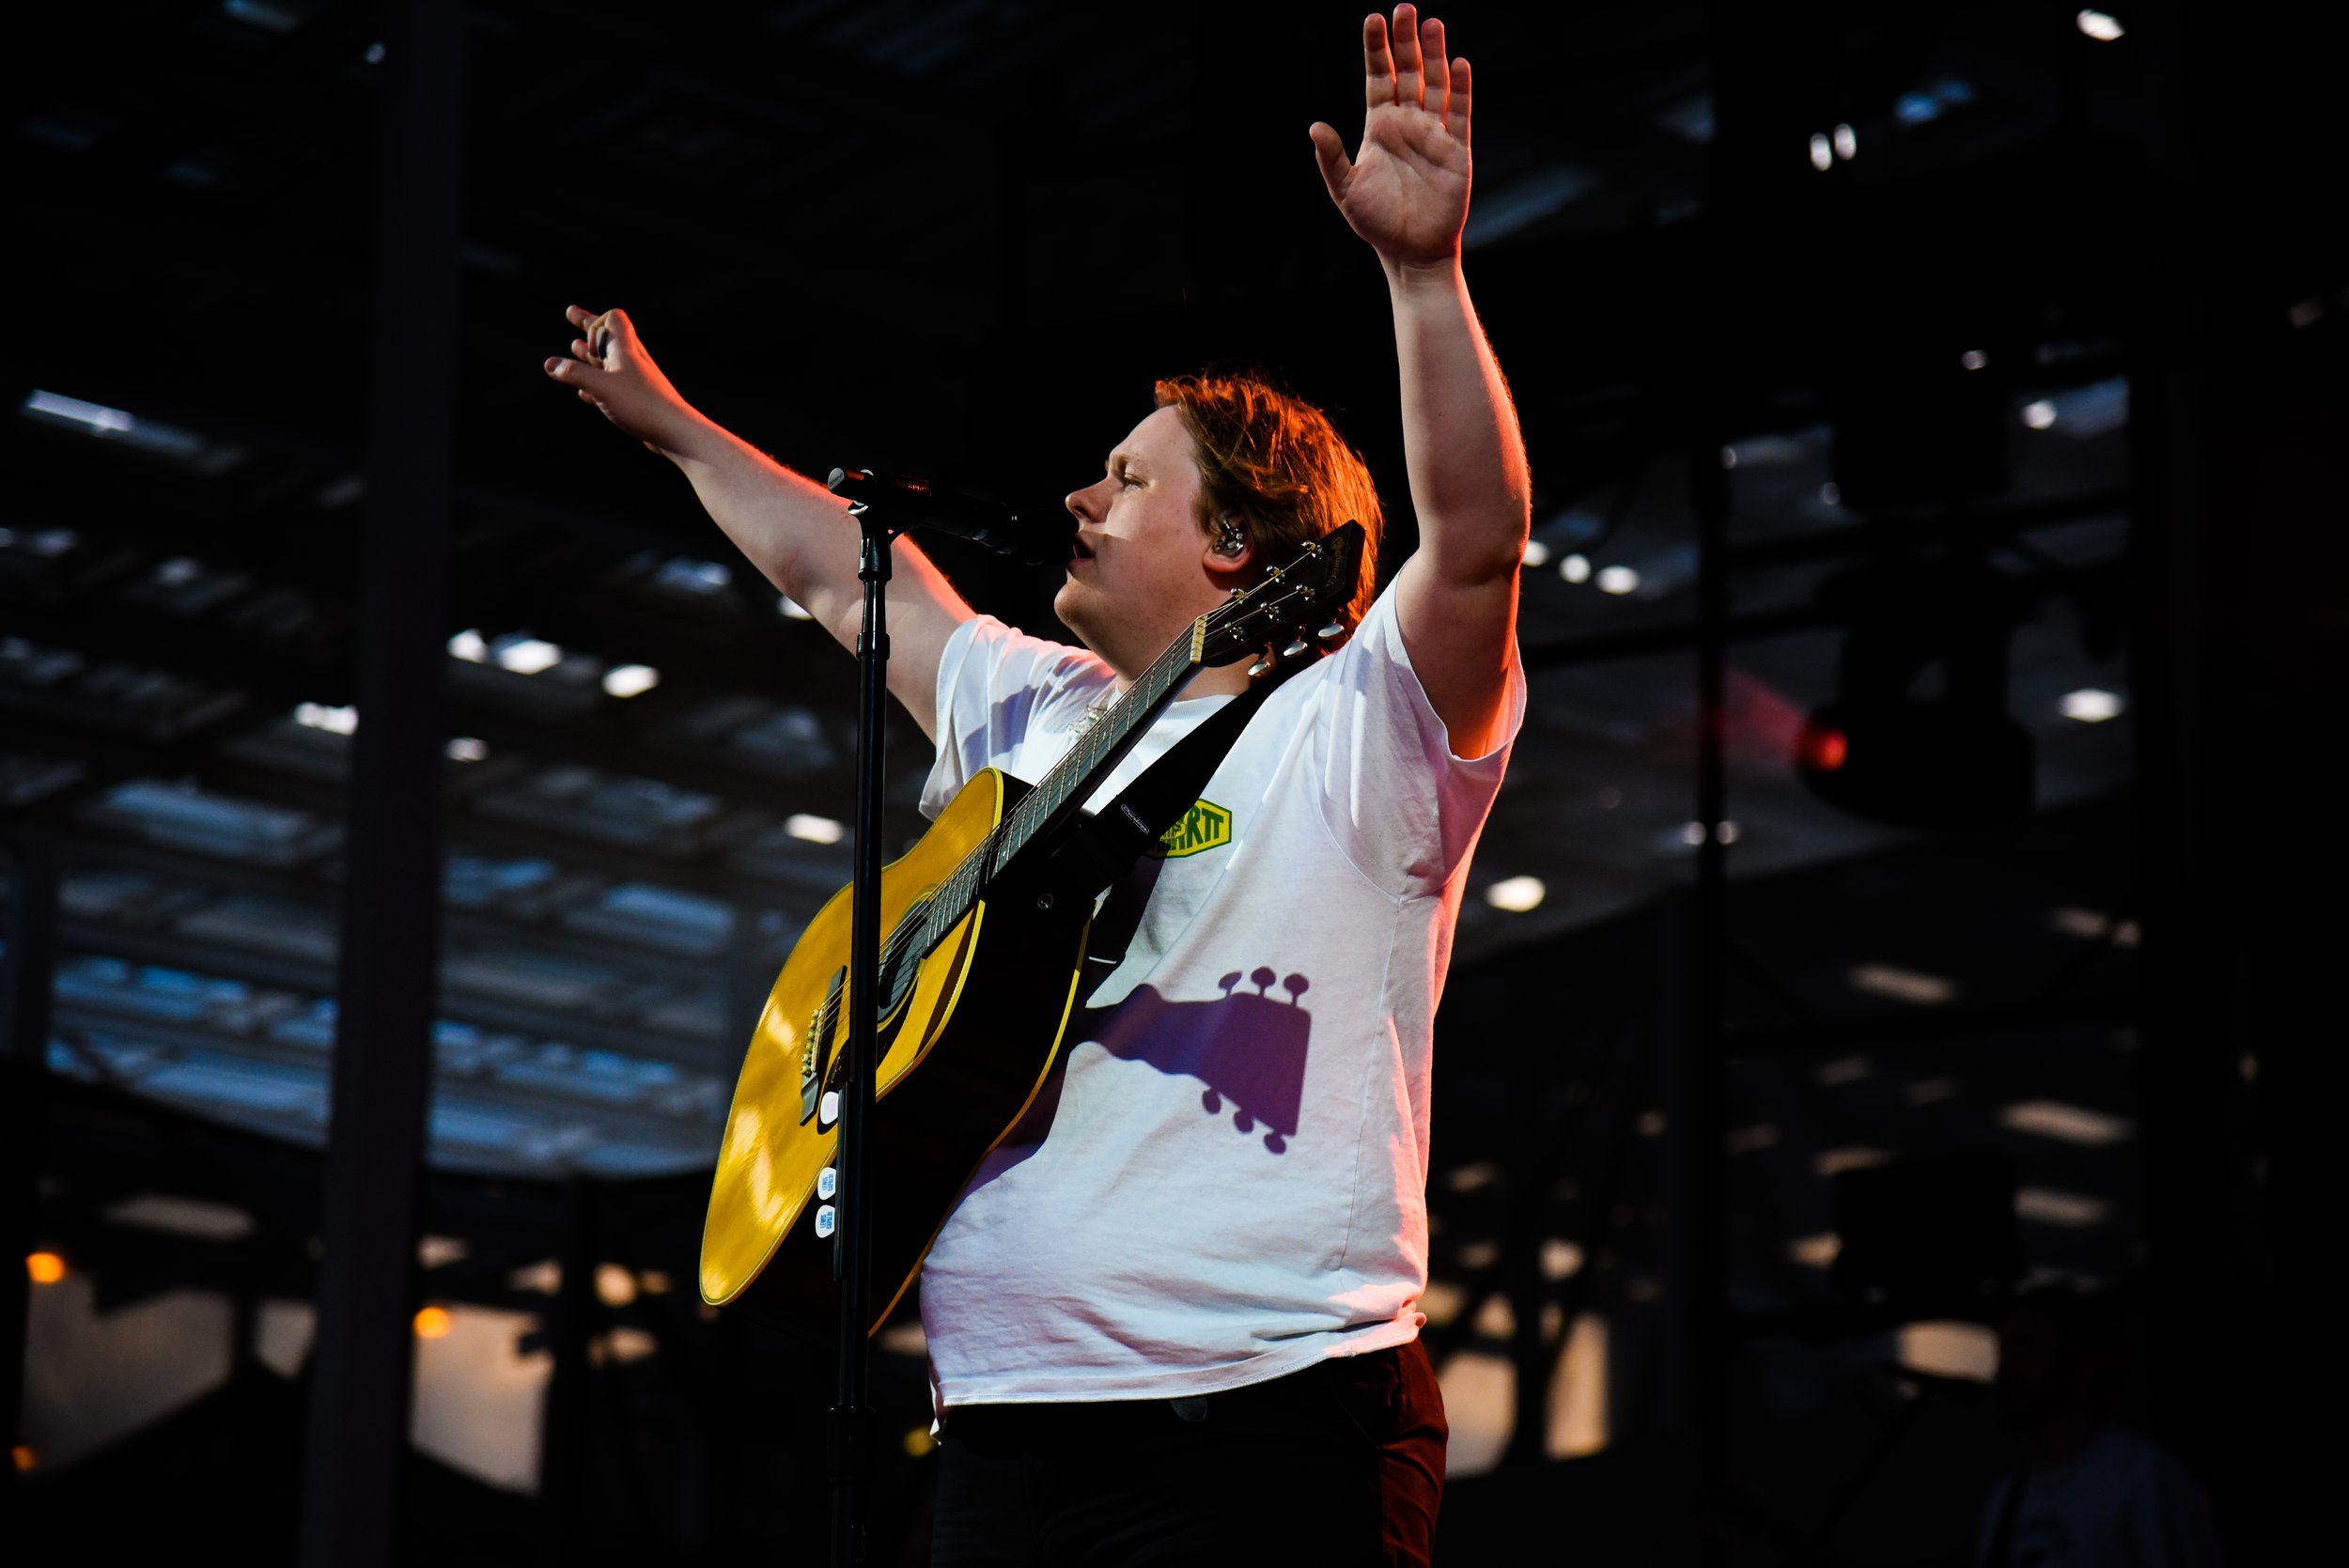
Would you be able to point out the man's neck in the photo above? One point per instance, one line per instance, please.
(1225, 680)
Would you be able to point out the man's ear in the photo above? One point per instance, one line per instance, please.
(1229, 549)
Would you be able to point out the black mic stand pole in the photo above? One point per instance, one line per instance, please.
(848, 1432)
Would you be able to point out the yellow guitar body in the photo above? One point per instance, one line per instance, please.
(929, 1132)
(975, 1014)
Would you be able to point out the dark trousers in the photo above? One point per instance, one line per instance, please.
(1338, 1466)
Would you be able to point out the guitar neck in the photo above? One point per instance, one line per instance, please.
(1065, 788)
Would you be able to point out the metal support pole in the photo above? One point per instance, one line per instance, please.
(2237, 404)
(565, 1445)
(849, 1434)
(31, 962)
(387, 992)
(1698, 1114)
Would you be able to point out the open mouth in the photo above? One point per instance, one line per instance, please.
(1079, 550)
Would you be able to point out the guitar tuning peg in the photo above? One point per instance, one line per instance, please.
(1332, 633)
(1295, 649)
(1263, 663)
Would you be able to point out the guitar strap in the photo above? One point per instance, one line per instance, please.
(1099, 849)
(1102, 846)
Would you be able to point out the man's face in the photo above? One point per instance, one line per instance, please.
(1143, 568)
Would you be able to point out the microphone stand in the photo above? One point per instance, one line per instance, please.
(849, 1431)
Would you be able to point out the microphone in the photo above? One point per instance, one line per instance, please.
(907, 503)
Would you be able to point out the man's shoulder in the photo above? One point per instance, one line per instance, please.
(1010, 659)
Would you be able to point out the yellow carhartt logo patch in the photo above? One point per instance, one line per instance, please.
(1206, 826)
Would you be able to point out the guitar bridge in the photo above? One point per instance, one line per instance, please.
(816, 1056)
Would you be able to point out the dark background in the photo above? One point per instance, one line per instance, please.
(282, 453)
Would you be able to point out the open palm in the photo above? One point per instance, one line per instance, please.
(1406, 192)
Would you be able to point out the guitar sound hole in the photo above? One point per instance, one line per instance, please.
(901, 960)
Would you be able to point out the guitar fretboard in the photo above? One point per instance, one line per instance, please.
(1061, 788)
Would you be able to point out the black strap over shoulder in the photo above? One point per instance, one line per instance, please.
(1101, 847)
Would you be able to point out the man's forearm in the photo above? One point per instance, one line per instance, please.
(774, 516)
(799, 534)
(1460, 437)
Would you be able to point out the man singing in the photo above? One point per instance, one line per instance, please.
(1172, 1318)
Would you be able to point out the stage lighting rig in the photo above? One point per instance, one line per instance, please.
(1897, 746)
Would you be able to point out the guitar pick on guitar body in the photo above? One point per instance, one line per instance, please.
(983, 937)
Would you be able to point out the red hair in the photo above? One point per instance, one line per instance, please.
(1275, 465)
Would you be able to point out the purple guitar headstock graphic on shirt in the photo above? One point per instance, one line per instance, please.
(1248, 1049)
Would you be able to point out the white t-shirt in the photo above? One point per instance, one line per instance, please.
(1231, 1182)
(2124, 1502)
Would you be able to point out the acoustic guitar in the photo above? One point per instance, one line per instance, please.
(984, 928)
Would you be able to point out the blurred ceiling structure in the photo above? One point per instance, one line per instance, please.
(956, 240)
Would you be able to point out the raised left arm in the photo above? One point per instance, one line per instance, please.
(1406, 193)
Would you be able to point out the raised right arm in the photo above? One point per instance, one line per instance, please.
(788, 526)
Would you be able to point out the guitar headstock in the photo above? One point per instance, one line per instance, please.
(1293, 613)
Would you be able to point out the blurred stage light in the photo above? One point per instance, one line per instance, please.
(1575, 568)
(793, 610)
(528, 656)
(468, 645)
(1973, 359)
(1946, 1348)
(2090, 706)
(630, 680)
(336, 721)
(1888, 980)
(2096, 926)
(2039, 415)
(1917, 763)
(688, 574)
(615, 1285)
(1516, 893)
(277, 19)
(1822, 153)
(44, 1268)
(1930, 103)
(2100, 25)
(1536, 553)
(23, 1456)
(466, 749)
(433, 1323)
(1617, 580)
(815, 830)
(1815, 1251)
(2049, 1206)
(1846, 143)
(2068, 1124)
(203, 454)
